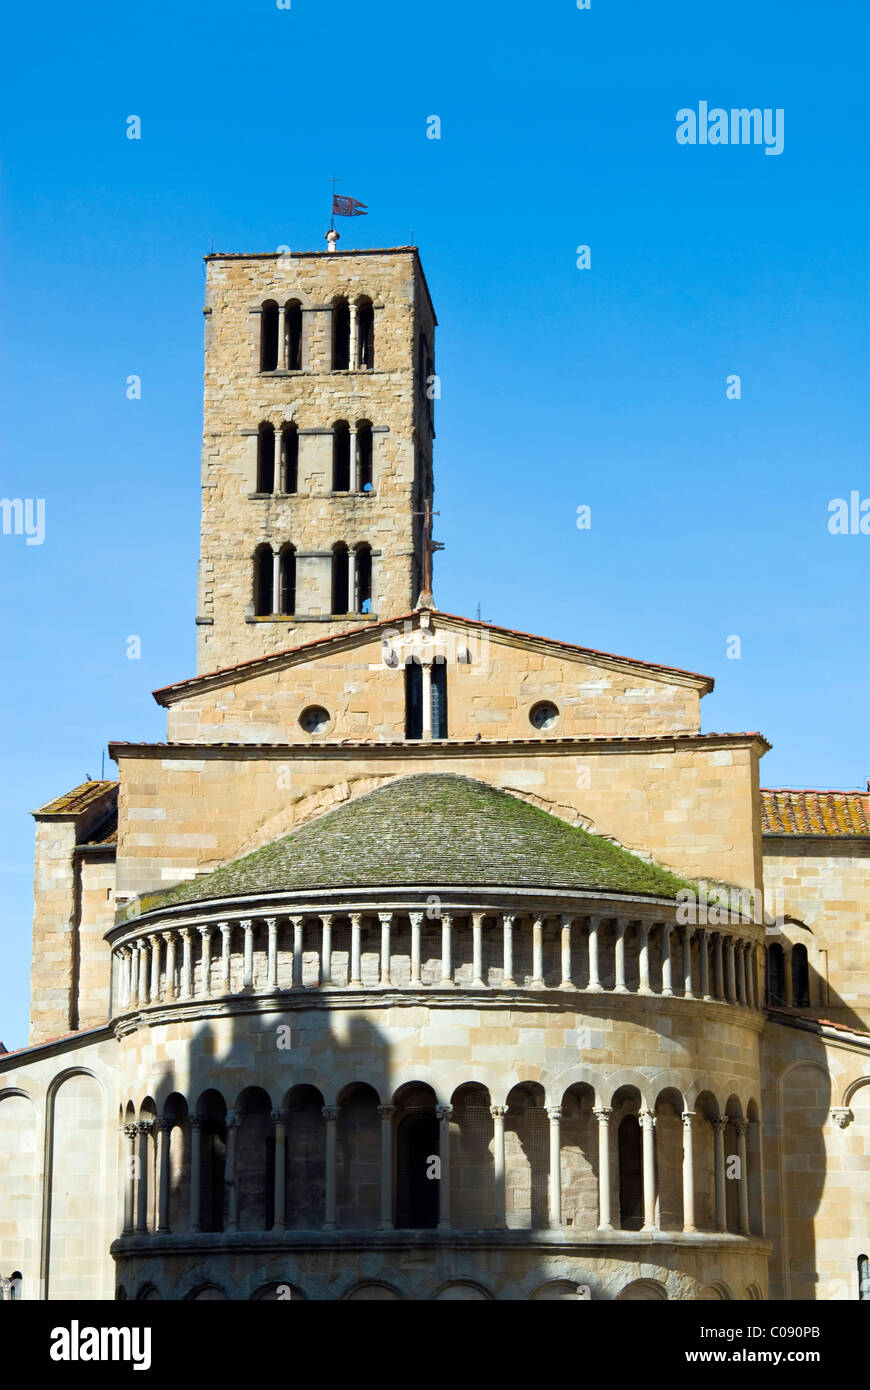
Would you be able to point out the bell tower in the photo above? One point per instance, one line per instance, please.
(318, 422)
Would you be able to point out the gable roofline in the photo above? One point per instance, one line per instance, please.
(168, 694)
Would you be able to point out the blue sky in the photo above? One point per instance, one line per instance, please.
(561, 387)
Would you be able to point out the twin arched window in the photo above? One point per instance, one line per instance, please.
(274, 579)
(353, 334)
(277, 458)
(281, 336)
(351, 578)
(777, 991)
(351, 457)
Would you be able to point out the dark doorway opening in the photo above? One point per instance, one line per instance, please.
(417, 1193)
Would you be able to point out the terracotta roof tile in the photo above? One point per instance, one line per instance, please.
(788, 811)
(79, 799)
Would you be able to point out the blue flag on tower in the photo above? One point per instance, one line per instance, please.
(347, 207)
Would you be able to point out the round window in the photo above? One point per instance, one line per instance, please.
(315, 719)
(543, 715)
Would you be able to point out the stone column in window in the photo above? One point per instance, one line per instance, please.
(143, 1129)
(356, 948)
(354, 462)
(386, 920)
(186, 964)
(416, 921)
(353, 359)
(272, 953)
(730, 970)
(508, 920)
(687, 963)
(226, 960)
(164, 1132)
(386, 1113)
(296, 976)
(594, 979)
(279, 1119)
(196, 1123)
(276, 571)
(537, 980)
(619, 955)
(740, 968)
(446, 944)
(426, 673)
(718, 971)
(648, 1132)
(154, 989)
(234, 1121)
(130, 1132)
(704, 957)
(144, 958)
(205, 962)
(602, 1114)
(643, 959)
(352, 601)
(477, 980)
(330, 1115)
(688, 1173)
(742, 1179)
(719, 1123)
(789, 975)
(498, 1164)
(248, 977)
(281, 359)
(566, 982)
(554, 1114)
(443, 1113)
(667, 980)
(169, 938)
(326, 949)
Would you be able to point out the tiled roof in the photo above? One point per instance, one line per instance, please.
(79, 799)
(788, 811)
(434, 745)
(436, 828)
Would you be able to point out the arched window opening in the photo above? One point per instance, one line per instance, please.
(269, 336)
(439, 698)
(800, 977)
(288, 580)
(365, 333)
(341, 456)
(340, 335)
(266, 458)
(263, 572)
(775, 982)
(255, 1161)
(413, 700)
(293, 333)
(364, 456)
(630, 1175)
(213, 1149)
(289, 455)
(339, 578)
(361, 602)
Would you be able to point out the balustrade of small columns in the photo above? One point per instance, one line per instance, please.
(595, 954)
(748, 1140)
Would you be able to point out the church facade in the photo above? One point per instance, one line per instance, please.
(426, 958)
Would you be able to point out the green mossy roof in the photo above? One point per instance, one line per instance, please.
(429, 829)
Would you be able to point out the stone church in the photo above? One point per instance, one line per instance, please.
(425, 959)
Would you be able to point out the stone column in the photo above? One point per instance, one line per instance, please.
(279, 1119)
(154, 990)
(248, 929)
(648, 1129)
(169, 937)
(281, 359)
(353, 358)
(386, 920)
(164, 1132)
(352, 604)
(234, 1121)
(508, 919)
(196, 1123)
(704, 962)
(354, 463)
(416, 921)
(687, 963)
(498, 1165)
(667, 980)
(296, 980)
(356, 948)
(751, 976)
(566, 982)
(426, 667)
(755, 1145)
(731, 973)
(272, 953)
(554, 1114)
(477, 950)
(205, 981)
(643, 959)
(788, 984)
(130, 1131)
(386, 1113)
(278, 486)
(718, 973)
(144, 956)
(446, 942)
(602, 1114)
(742, 1179)
(444, 1112)
(134, 975)
(719, 1124)
(143, 1129)
(537, 981)
(186, 964)
(276, 568)
(619, 956)
(688, 1173)
(740, 965)
(330, 1115)
(326, 949)
(123, 985)
(594, 979)
(226, 960)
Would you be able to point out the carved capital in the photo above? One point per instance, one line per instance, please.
(331, 1113)
(386, 918)
(647, 1119)
(720, 1123)
(279, 1117)
(144, 1126)
(386, 1112)
(443, 1111)
(246, 925)
(554, 1113)
(197, 1121)
(687, 1118)
(131, 1130)
(740, 1128)
(842, 1116)
(602, 1114)
(166, 1122)
(234, 1119)
(498, 1112)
